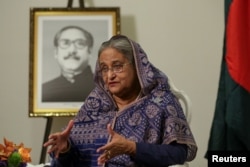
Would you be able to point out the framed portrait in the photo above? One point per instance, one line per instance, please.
(64, 44)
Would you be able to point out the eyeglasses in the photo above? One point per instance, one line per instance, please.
(66, 43)
(116, 68)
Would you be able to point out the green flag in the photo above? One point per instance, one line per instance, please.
(230, 129)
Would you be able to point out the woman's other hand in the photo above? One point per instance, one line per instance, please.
(117, 146)
(59, 141)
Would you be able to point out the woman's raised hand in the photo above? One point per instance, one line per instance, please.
(117, 146)
(59, 141)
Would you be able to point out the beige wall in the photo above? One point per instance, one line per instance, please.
(182, 38)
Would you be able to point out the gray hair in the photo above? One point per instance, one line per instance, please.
(121, 44)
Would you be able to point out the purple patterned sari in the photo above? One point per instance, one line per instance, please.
(156, 117)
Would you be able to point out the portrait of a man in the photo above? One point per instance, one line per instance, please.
(72, 50)
(64, 48)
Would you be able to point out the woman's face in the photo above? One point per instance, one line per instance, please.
(118, 73)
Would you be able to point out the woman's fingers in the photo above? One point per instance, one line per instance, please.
(110, 130)
(68, 128)
(109, 149)
(51, 140)
(58, 141)
(117, 146)
(104, 157)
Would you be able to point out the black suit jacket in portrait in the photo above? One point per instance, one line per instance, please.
(61, 90)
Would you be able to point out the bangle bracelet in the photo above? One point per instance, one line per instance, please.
(68, 148)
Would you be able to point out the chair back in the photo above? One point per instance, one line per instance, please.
(183, 98)
(186, 105)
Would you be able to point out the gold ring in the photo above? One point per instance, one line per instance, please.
(108, 154)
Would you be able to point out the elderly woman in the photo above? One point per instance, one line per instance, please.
(130, 119)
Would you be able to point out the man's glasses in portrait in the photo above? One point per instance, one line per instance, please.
(66, 43)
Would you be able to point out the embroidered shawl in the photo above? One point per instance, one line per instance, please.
(156, 118)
